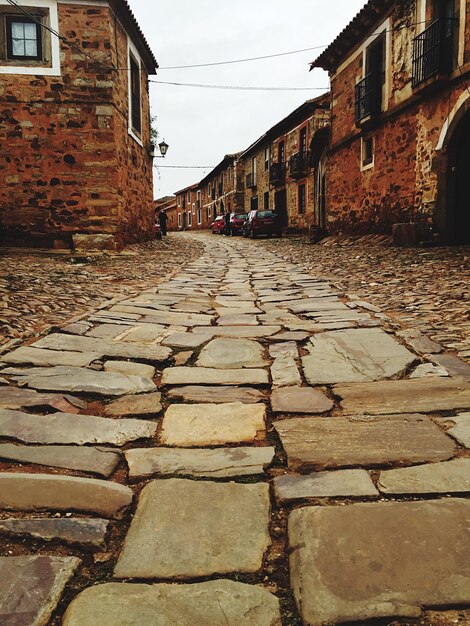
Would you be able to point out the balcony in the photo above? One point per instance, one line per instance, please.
(433, 51)
(251, 181)
(298, 165)
(368, 97)
(277, 174)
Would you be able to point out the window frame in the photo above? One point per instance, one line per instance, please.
(9, 20)
(190, 218)
(266, 201)
(367, 164)
(302, 199)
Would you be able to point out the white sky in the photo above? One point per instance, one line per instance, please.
(202, 125)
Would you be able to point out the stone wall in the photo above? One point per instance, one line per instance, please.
(67, 163)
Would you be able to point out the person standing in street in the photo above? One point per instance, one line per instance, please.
(162, 219)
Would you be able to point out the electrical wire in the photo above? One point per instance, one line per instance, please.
(187, 167)
(239, 87)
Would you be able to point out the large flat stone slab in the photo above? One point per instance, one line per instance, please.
(284, 372)
(341, 442)
(240, 332)
(168, 317)
(207, 463)
(341, 484)
(460, 431)
(28, 355)
(405, 396)
(186, 340)
(357, 355)
(89, 534)
(300, 400)
(450, 477)
(130, 368)
(366, 561)
(311, 305)
(203, 604)
(213, 376)
(188, 425)
(105, 348)
(220, 528)
(81, 380)
(101, 461)
(144, 405)
(50, 492)
(31, 587)
(64, 428)
(16, 398)
(232, 354)
(216, 395)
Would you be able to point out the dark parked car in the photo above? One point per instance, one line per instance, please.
(218, 225)
(262, 223)
(237, 220)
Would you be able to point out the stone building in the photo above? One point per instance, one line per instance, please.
(168, 204)
(400, 128)
(76, 154)
(188, 208)
(278, 167)
(222, 189)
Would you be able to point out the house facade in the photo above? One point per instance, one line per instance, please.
(279, 172)
(188, 208)
(400, 129)
(168, 205)
(222, 189)
(76, 157)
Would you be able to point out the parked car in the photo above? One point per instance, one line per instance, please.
(262, 223)
(237, 220)
(218, 225)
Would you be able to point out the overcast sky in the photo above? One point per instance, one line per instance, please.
(202, 125)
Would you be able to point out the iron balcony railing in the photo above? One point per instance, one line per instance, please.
(251, 181)
(433, 50)
(277, 174)
(369, 96)
(298, 165)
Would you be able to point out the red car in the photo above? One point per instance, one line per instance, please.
(218, 225)
(237, 221)
(262, 223)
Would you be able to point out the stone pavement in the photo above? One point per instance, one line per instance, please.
(241, 444)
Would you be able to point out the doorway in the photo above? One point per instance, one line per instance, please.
(280, 206)
(458, 183)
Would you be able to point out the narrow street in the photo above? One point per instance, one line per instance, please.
(246, 431)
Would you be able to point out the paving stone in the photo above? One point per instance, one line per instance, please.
(101, 461)
(365, 561)
(461, 429)
(188, 425)
(115, 349)
(31, 587)
(366, 305)
(245, 310)
(404, 396)
(208, 463)
(143, 405)
(289, 348)
(185, 340)
(232, 354)
(240, 332)
(212, 376)
(15, 398)
(81, 380)
(300, 400)
(168, 317)
(237, 320)
(206, 604)
(35, 356)
(77, 328)
(89, 534)
(64, 428)
(50, 492)
(419, 342)
(284, 372)
(428, 370)
(147, 333)
(455, 366)
(228, 524)
(216, 395)
(310, 305)
(182, 358)
(341, 484)
(340, 442)
(291, 336)
(450, 477)
(354, 356)
(129, 368)
(108, 331)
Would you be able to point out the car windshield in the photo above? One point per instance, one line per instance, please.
(265, 214)
(241, 216)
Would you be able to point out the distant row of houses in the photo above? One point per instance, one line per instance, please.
(388, 149)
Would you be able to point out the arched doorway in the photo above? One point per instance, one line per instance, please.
(457, 214)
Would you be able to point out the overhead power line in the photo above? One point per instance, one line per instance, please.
(239, 87)
(187, 167)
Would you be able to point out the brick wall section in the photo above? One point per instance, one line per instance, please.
(67, 163)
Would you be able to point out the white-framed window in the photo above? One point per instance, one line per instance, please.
(254, 169)
(199, 217)
(367, 152)
(179, 220)
(190, 218)
(26, 47)
(266, 158)
(134, 92)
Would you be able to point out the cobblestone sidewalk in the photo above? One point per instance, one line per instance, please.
(242, 444)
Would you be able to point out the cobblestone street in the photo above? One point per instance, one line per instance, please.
(267, 439)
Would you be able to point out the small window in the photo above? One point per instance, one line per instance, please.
(302, 199)
(253, 169)
(303, 140)
(199, 217)
(136, 112)
(190, 218)
(266, 158)
(179, 220)
(367, 151)
(281, 152)
(266, 201)
(23, 39)
(254, 203)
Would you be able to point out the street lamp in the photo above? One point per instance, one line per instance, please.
(163, 147)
